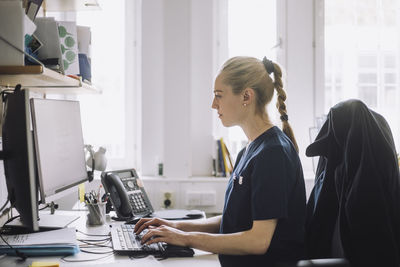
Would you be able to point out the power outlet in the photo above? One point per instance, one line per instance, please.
(168, 199)
(200, 198)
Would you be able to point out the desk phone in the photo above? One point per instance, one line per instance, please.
(127, 193)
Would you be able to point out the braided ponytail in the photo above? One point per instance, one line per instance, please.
(280, 104)
(271, 67)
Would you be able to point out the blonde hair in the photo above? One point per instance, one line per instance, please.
(248, 72)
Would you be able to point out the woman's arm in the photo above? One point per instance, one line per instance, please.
(253, 241)
(210, 225)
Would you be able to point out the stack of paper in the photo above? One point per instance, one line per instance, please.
(56, 242)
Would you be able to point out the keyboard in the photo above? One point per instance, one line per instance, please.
(125, 241)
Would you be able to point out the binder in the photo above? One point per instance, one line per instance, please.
(224, 166)
(229, 158)
(224, 155)
(220, 160)
(60, 242)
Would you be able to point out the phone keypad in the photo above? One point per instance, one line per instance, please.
(137, 202)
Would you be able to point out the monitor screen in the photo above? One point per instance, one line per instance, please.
(19, 158)
(59, 145)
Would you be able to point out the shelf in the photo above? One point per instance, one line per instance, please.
(70, 5)
(42, 80)
(201, 179)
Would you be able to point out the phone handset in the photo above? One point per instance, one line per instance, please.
(118, 195)
(127, 194)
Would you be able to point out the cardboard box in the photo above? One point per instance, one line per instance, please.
(69, 47)
(47, 32)
(14, 25)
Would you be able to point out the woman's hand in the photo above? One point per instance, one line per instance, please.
(165, 234)
(144, 223)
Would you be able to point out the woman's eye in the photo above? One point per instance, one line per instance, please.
(217, 96)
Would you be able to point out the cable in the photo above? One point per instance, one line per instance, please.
(6, 211)
(68, 260)
(95, 246)
(96, 252)
(95, 243)
(12, 219)
(91, 234)
(5, 204)
(3, 210)
(94, 240)
(139, 256)
(45, 207)
(4, 94)
(17, 252)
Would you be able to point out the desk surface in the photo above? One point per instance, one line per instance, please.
(201, 258)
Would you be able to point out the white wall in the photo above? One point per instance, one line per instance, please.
(152, 96)
(177, 78)
(296, 30)
(208, 193)
(201, 84)
(178, 53)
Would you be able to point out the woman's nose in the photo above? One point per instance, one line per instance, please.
(214, 105)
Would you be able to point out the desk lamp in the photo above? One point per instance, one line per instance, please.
(96, 160)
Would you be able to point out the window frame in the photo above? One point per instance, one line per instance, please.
(380, 53)
(131, 84)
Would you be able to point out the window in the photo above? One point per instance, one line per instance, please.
(104, 116)
(362, 51)
(251, 32)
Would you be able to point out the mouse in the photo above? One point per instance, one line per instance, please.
(194, 214)
(132, 220)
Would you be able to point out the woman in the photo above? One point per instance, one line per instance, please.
(264, 213)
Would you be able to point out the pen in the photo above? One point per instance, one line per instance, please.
(94, 198)
(87, 199)
(93, 195)
(104, 198)
(98, 192)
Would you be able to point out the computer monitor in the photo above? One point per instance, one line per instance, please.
(59, 146)
(50, 161)
(19, 158)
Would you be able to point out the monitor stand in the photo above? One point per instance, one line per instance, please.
(48, 221)
(56, 220)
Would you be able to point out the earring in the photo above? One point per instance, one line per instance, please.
(244, 104)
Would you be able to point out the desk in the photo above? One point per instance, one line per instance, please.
(201, 258)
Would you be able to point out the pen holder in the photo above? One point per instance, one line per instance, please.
(97, 213)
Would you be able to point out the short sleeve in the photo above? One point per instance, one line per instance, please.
(269, 185)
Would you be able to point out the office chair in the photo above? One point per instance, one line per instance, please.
(334, 262)
(353, 213)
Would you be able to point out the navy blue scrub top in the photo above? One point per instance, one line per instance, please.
(267, 183)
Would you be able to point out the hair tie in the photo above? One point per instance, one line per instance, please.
(284, 117)
(269, 65)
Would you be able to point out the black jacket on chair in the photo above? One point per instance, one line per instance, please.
(354, 207)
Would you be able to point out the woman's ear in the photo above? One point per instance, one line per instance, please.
(248, 95)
